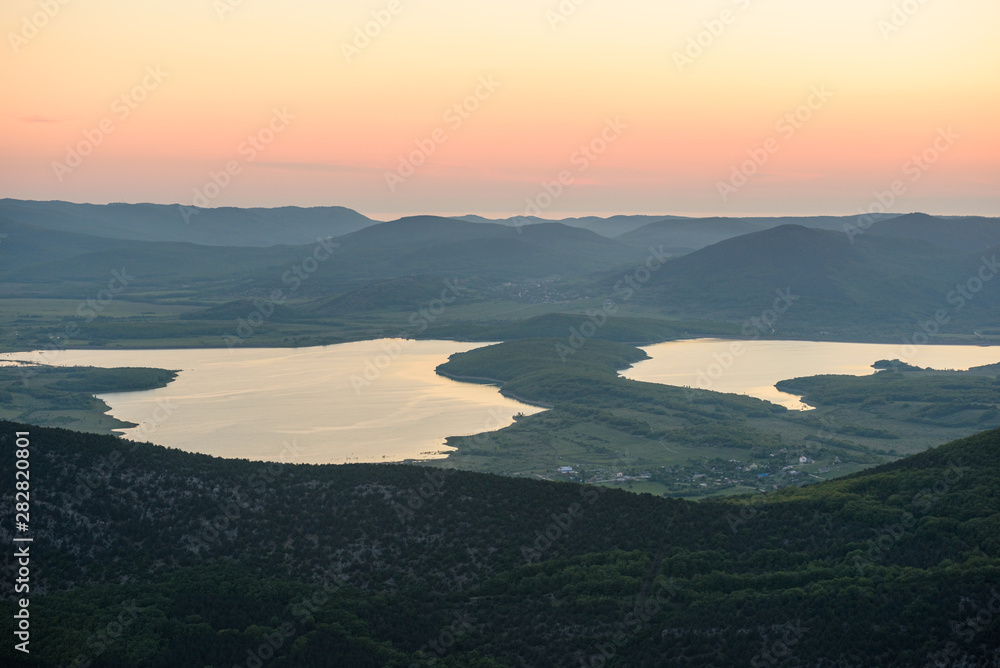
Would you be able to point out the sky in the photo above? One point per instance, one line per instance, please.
(549, 107)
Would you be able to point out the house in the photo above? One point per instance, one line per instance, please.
(805, 460)
(566, 469)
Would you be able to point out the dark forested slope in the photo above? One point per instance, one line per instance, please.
(145, 556)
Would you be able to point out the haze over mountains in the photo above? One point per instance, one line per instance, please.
(686, 235)
(969, 233)
(611, 226)
(224, 226)
(229, 226)
(889, 269)
(874, 279)
(470, 547)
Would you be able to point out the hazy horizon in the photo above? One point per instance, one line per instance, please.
(554, 216)
(644, 110)
(537, 333)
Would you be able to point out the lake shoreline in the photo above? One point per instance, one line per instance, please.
(482, 380)
(370, 401)
(964, 340)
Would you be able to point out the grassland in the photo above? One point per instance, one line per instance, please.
(64, 396)
(661, 439)
(687, 442)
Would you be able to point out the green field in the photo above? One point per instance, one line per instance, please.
(64, 396)
(682, 442)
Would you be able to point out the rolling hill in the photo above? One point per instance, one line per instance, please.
(687, 235)
(838, 285)
(22, 245)
(71, 263)
(883, 283)
(967, 233)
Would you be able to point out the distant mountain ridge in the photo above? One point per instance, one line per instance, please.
(290, 225)
(963, 233)
(610, 226)
(414, 246)
(892, 275)
(686, 235)
(223, 226)
(431, 244)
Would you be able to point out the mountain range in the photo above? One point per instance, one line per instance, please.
(841, 272)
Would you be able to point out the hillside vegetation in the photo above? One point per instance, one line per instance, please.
(146, 556)
(684, 441)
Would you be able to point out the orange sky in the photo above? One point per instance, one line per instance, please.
(284, 104)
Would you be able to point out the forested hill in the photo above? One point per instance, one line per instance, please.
(147, 556)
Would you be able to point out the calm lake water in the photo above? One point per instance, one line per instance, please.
(300, 405)
(358, 402)
(753, 367)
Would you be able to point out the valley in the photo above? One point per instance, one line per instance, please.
(500, 334)
(562, 295)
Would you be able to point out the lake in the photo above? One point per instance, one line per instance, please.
(300, 404)
(375, 401)
(753, 367)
